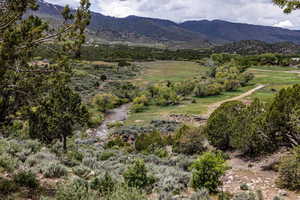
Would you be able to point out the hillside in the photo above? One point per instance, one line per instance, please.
(223, 31)
(190, 34)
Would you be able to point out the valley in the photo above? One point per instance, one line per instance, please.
(95, 107)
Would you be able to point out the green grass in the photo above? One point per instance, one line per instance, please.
(178, 71)
(169, 70)
(275, 80)
(186, 107)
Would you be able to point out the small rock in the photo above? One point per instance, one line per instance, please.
(283, 193)
(244, 187)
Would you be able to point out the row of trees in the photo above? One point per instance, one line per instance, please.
(115, 53)
(40, 95)
(255, 60)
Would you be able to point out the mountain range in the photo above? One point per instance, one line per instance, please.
(189, 34)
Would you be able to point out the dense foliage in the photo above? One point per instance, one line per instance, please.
(39, 94)
(289, 171)
(257, 128)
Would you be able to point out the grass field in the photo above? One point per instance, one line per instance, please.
(274, 78)
(168, 70)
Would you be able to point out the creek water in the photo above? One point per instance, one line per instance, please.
(114, 115)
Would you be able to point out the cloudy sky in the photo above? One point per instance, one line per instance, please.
(261, 12)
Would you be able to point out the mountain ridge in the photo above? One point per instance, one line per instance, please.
(188, 34)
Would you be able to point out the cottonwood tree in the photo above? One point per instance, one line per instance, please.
(288, 6)
(30, 92)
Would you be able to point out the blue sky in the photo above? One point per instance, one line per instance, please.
(261, 12)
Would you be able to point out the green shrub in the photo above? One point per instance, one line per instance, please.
(141, 100)
(55, 170)
(249, 131)
(289, 171)
(214, 89)
(281, 118)
(90, 162)
(160, 152)
(123, 192)
(26, 179)
(231, 85)
(106, 155)
(189, 141)
(81, 171)
(8, 162)
(77, 190)
(116, 124)
(136, 175)
(202, 194)
(7, 187)
(95, 119)
(138, 108)
(105, 185)
(207, 171)
(201, 90)
(151, 140)
(219, 128)
(33, 145)
(104, 102)
(115, 142)
(75, 155)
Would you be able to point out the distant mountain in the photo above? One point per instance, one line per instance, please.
(219, 30)
(190, 34)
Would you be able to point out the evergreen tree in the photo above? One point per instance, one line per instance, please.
(288, 5)
(29, 89)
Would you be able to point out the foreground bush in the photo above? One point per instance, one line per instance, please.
(189, 141)
(105, 185)
(7, 187)
(219, 125)
(77, 190)
(146, 142)
(207, 171)
(123, 192)
(289, 171)
(283, 117)
(26, 179)
(250, 135)
(55, 170)
(136, 175)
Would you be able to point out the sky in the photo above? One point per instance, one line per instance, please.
(260, 12)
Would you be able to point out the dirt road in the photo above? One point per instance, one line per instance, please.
(213, 107)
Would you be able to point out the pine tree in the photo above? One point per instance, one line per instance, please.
(288, 5)
(34, 93)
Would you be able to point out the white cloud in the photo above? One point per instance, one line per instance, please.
(284, 24)
(261, 12)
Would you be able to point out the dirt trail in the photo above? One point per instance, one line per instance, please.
(211, 108)
(252, 174)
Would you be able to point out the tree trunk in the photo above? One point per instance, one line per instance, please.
(65, 143)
